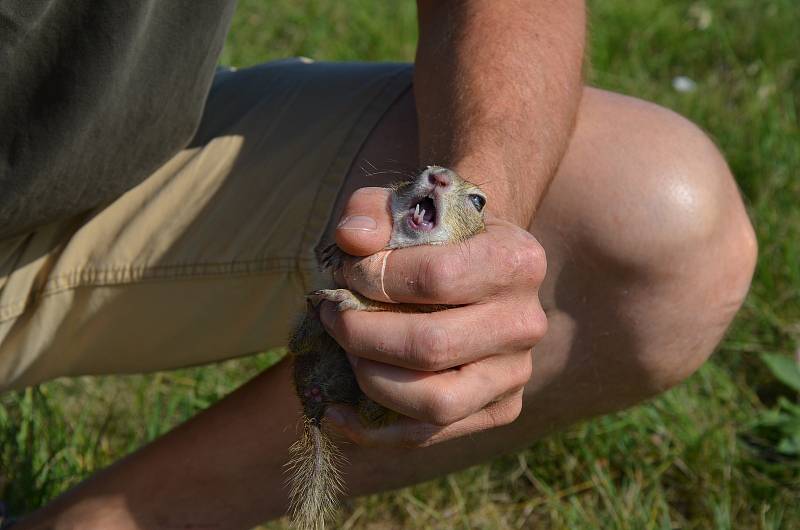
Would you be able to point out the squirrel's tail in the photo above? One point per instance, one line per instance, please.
(315, 478)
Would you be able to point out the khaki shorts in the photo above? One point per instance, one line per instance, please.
(209, 258)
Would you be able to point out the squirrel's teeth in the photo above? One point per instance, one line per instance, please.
(418, 215)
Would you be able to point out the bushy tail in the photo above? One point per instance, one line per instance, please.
(315, 478)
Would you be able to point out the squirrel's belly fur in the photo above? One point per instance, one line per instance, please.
(322, 376)
(314, 465)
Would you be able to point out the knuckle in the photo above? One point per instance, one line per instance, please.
(532, 259)
(523, 257)
(368, 376)
(343, 330)
(442, 408)
(506, 413)
(530, 328)
(522, 374)
(507, 260)
(539, 267)
(513, 411)
(346, 332)
(436, 277)
(537, 326)
(428, 347)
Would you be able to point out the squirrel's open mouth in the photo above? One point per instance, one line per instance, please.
(422, 216)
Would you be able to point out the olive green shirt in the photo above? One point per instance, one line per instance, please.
(95, 95)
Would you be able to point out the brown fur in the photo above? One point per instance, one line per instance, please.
(322, 374)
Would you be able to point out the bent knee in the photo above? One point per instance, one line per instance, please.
(646, 197)
(689, 220)
(699, 259)
(697, 282)
(643, 188)
(697, 247)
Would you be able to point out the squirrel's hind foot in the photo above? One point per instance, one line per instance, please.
(345, 300)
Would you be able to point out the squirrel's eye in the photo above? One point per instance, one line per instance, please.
(477, 201)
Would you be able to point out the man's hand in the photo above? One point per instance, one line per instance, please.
(497, 85)
(452, 372)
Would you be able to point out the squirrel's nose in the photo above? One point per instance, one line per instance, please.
(440, 177)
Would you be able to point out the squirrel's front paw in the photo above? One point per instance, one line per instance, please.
(343, 299)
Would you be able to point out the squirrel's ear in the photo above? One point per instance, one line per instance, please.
(365, 226)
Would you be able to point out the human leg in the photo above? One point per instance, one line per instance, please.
(208, 258)
(650, 254)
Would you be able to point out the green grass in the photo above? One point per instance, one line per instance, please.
(684, 460)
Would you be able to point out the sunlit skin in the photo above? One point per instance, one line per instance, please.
(637, 283)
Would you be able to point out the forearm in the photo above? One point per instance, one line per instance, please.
(222, 469)
(497, 85)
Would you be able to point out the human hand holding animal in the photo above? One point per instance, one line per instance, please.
(449, 373)
(439, 373)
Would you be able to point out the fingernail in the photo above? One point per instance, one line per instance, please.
(353, 360)
(358, 222)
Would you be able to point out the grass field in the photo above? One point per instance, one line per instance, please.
(707, 454)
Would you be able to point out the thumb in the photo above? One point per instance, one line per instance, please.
(366, 223)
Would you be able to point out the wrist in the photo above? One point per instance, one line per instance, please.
(509, 193)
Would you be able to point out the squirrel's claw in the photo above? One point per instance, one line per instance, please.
(331, 258)
(344, 299)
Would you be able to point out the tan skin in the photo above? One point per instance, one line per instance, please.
(485, 72)
(649, 255)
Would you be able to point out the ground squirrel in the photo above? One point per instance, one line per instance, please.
(436, 207)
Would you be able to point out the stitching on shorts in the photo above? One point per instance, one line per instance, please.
(12, 310)
(103, 277)
(394, 86)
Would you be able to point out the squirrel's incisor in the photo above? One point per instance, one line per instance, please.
(436, 207)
